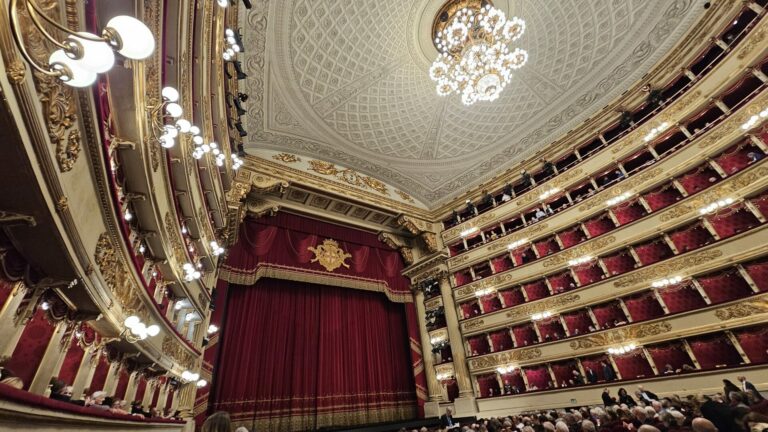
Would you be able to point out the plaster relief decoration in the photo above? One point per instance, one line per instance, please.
(355, 76)
(493, 360)
(329, 255)
(116, 274)
(611, 337)
(743, 309)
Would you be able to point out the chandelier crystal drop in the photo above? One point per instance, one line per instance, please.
(475, 59)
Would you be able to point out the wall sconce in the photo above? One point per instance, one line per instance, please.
(236, 161)
(656, 131)
(443, 376)
(549, 193)
(713, 207)
(469, 231)
(135, 330)
(484, 292)
(212, 328)
(516, 244)
(541, 315)
(82, 55)
(618, 199)
(752, 122)
(505, 369)
(664, 282)
(217, 250)
(580, 260)
(190, 273)
(622, 349)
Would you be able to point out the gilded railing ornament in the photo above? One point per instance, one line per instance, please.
(743, 310)
(666, 268)
(329, 255)
(547, 304)
(628, 185)
(286, 157)
(179, 355)
(588, 248)
(503, 242)
(116, 274)
(504, 358)
(348, 176)
(471, 325)
(621, 335)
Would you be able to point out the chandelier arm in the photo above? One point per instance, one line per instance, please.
(34, 15)
(14, 16)
(39, 12)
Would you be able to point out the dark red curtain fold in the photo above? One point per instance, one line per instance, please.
(300, 356)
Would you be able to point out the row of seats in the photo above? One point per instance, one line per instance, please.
(656, 99)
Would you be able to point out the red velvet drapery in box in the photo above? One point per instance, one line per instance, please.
(31, 347)
(279, 247)
(300, 356)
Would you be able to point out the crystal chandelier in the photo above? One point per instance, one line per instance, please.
(473, 40)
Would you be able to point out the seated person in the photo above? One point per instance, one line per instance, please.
(540, 214)
(668, 369)
(471, 209)
(97, 401)
(755, 156)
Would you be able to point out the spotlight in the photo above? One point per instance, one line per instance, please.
(240, 110)
(240, 130)
(242, 96)
(247, 4)
(239, 41)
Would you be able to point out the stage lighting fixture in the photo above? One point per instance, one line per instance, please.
(247, 4)
(240, 130)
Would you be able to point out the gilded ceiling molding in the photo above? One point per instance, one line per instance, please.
(262, 183)
(348, 176)
(504, 358)
(548, 304)
(723, 190)
(667, 268)
(615, 336)
(420, 228)
(178, 251)
(428, 270)
(399, 244)
(286, 157)
(589, 248)
(743, 309)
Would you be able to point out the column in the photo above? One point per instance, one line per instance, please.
(184, 401)
(130, 390)
(85, 371)
(13, 322)
(650, 361)
(149, 392)
(433, 387)
(52, 358)
(113, 374)
(162, 398)
(464, 404)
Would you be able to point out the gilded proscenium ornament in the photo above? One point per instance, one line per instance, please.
(399, 244)
(348, 176)
(329, 255)
(616, 336)
(257, 207)
(724, 190)
(743, 309)
(672, 266)
(504, 358)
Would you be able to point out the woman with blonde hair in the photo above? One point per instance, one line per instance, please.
(218, 422)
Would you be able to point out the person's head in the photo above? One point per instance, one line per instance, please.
(648, 428)
(98, 397)
(606, 390)
(741, 378)
(639, 413)
(561, 427)
(650, 412)
(217, 422)
(57, 386)
(735, 397)
(448, 411)
(245, 429)
(548, 426)
(656, 405)
(587, 426)
(622, 392)
(700, 424)
(117, 404)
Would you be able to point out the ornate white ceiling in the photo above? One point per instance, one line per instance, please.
(346, 81)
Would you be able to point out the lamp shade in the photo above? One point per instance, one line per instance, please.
(97, 56)
(153, 330)
(76, 76)
(174, 110)
(170, 94)
(137, 41)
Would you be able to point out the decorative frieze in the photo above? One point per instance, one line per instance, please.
(588, 248)
(743, 309)
(666, 268)
(621, 335)
(547, 304)
(504, 358)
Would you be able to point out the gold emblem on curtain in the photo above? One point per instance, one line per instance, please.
(329, 255)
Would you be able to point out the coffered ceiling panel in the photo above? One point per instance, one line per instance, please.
(346, 81)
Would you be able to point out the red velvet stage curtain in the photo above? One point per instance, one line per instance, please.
(300, 356)
(31, 347)
(536, 290)
(278, 246)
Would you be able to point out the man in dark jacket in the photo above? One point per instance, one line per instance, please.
(446, 420)
(608, 400)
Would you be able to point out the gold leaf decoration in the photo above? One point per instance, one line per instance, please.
(616, 336)
(666, 268)
(547, 304)
(180, 355)
(404, 196)
(116, 274)
(743, 309)
(329, 255)
(348, 176)
(470, 325)
(286, 157)
(585, 249)
(504, 358)
(626, 186)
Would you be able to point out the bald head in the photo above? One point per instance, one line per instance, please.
(647, 428)
(700, 424)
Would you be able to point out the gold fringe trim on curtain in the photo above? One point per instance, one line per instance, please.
(276, 271)
(305, 422)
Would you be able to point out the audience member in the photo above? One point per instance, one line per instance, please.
(10, 379)
(608, 400)
(217, 422)
(728, 388)
(625, 398)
